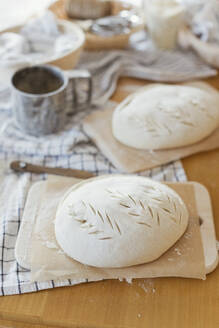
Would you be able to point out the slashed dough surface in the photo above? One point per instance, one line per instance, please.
(119, 221)
(162, 116)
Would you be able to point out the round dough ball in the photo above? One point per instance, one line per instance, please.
(163, 116)
(119, 221)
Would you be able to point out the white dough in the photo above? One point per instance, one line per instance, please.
(162, 116)
(119, 221)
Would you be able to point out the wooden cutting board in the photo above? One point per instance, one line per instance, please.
(203, 203)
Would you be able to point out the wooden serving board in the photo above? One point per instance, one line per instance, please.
(203, 202)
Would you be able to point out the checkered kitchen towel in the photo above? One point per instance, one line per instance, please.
(71, 148)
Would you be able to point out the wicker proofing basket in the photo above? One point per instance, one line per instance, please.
(96, 42)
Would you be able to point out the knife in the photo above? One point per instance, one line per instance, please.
(20, 166)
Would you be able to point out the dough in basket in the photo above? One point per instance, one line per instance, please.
(119, 221)
(162, 116)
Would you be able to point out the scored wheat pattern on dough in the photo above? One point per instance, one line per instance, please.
(156, 128)
(204, 110)
(180, 116)
(138, 209)
(130, 204)
(103, 218)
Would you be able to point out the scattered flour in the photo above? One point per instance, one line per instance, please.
(129, 280)
(188, 235)
(147, 285)
(178, 252)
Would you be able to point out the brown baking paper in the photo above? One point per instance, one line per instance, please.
(98, 127)
(184, 259)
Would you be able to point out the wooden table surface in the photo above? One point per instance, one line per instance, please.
(163, 302)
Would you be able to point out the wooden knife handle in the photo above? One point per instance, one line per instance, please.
(20, 166)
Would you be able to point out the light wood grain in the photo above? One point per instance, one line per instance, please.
(175, 303)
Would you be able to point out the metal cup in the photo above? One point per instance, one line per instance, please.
(40, 97)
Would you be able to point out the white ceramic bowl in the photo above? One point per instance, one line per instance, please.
(65, 61)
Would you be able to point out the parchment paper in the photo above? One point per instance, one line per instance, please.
(184, 259)
(98, 127)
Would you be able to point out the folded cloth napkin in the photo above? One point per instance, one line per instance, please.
(148, 63)
(203, 18)
(206, 22)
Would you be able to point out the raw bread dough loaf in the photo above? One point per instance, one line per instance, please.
(119, 221)
(162, 116)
